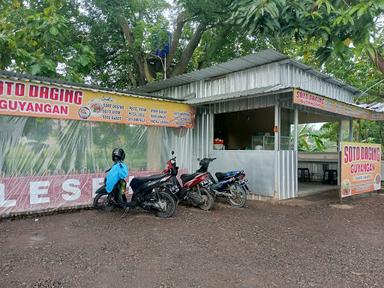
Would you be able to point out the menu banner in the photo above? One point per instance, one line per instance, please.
(360, 168)
(25, 98)
(323, 103)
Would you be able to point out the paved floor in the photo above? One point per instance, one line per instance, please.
(310, 188)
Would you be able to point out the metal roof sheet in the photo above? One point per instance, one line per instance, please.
(260, 58)
(377, 106)
(323, 76)
(237, 95)
(262, 91)
(249, 61)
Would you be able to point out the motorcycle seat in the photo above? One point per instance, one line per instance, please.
(149, 178)
(140, 181)
(188, 177)
(220, 175)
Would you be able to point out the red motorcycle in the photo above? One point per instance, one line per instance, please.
(194, 188)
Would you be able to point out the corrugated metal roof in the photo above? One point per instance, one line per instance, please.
(263, 91)
(249, 61)
(323, 76)
(260, 58)
(237, 95)
(377, 107)
(49, 81)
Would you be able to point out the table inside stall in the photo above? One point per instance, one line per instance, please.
(318, 167)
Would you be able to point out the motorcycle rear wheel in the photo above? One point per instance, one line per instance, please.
(208, 199)
(240, 196)
(103, 202)
(168, 202)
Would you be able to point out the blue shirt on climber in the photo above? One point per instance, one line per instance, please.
(118, 171)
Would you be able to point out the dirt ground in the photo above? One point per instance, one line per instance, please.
(263, 245)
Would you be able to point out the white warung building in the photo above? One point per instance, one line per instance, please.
(256, 104)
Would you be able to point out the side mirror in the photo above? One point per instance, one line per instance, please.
(198, 159)
(173, 152)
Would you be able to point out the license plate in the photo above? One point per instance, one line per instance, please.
(206, 183)
(243, 181)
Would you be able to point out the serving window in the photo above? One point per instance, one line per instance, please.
(245, 130)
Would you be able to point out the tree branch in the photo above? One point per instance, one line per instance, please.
(188, 51)
(380, 62)
(377, 59)
(139, 59)
(180, 21)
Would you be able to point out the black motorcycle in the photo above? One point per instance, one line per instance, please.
(149, 193)
(230, 185)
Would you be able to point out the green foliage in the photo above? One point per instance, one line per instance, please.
(330, 131)
(39, 36)
(310, 140)
(116, 57)
(74, 39)
(370, 131)
(336, 26)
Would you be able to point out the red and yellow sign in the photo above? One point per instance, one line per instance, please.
(360, 168)
(326, 104)
(24, 98)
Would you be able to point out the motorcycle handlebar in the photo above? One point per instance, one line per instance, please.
(209, 159)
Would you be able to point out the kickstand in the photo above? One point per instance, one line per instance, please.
(127, 207)
(125, 212)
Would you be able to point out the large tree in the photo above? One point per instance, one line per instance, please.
(124, 43)
(152, 36)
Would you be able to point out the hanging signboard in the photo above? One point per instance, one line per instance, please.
(360, 168)
(25, 98)
(330, 105)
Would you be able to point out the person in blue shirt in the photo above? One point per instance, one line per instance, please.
(118, 171)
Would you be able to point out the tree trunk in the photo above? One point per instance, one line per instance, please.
(132, 78)
(188, 51)
(180, 21)
(377, 59)
(380, 62)
(138, 57)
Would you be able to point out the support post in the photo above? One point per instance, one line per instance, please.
(339, 157)
(296, 131)
(350, 130)
(339, 152)
(276, 128)
(358, 136)
(296, 150)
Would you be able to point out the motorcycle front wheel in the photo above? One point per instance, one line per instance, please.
(208, 199)
(238, 196)
(167, 205)
(103, 201)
